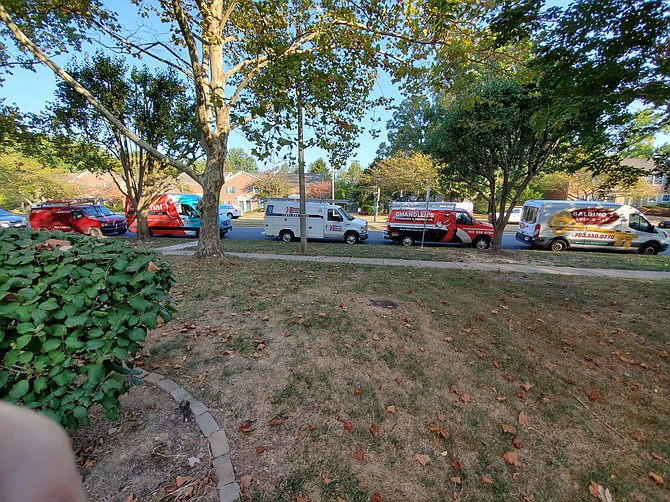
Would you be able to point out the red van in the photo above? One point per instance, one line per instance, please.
(411, 222)
(83, 216)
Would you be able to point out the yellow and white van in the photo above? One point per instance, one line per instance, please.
(561, 224)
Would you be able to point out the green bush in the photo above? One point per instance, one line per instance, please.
(71, 320)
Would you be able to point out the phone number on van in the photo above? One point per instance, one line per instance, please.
(586, 235)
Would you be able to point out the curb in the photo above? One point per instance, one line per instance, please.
(229, 489)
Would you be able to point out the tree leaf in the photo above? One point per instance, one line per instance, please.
(523, 419)
(422, 459)
(512, 458)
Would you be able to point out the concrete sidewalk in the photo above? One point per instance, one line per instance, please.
(489, 267)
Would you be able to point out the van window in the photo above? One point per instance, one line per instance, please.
(187, 210)
(97, 211)
(639, 223)
(77, 214)
(269, 209)
(345, 214)
(529, 214)
(334, 215)
(463, 219)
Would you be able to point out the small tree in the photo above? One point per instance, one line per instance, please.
(153, 104)
(274, 182)
(320, 190)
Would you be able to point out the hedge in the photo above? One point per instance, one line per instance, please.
(73, 317)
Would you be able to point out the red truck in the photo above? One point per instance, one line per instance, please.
(82, 216)
(411, 222)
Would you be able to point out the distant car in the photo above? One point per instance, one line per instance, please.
(515, 217)
(664, 224)
(10, 220)
(230, 210)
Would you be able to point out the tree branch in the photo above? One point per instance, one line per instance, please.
(23, 40)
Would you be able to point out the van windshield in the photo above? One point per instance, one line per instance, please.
(345, 214)
(97, 211)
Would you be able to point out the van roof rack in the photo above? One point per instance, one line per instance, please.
(422, 205)
(70, 202)
(285, 199)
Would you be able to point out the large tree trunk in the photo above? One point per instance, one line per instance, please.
(498, 231)
(209, 243)
(141, 212)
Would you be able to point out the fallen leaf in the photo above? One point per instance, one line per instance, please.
(260, 450)
(246, 427)
(358, 392)
(326, 480)
(192, 461)
(436, 429)
(151, 267)
(376, 497)
(600, 492)
(441, 417)
(348, 426)
(656, 456)
(523, 419)
(312, 427)
(496, 364)
(422, 459)
(517, 442)
(359, 455)
(487, 479)
(245, 481)
(465, 398)
(274, 421)
(500, 399)
(130, 498)
(456, 479)
(181, 480)
(509, 378)
(375, 338)
(456, 464)
(374, 430)
(657, 479)
(509, 429)
(593, 394)
(512, 458)
(527, 386)
(390, 409)
(637, 437)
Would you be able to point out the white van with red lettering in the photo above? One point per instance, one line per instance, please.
(324, 221)
(558, 225)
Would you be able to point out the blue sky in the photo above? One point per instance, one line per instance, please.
(32, 91)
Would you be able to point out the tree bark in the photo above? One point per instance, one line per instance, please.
(209, 243)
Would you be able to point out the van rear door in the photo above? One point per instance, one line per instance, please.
(528, 224)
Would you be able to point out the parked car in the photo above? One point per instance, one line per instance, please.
(514, 217)
(10, 220)
(664, 224)
(230, 210)
(82, 216)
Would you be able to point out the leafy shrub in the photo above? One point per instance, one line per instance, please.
(72, 318)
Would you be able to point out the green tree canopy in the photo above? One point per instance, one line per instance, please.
(239, 160)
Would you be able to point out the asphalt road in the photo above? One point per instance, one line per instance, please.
(376, 237)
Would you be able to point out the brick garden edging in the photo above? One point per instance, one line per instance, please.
(229, 489)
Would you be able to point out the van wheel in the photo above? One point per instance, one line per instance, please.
(95, 232)
(43, 229)
(407, 241)
(230, 216)
(558, 245)
(351, 238)
(650, 248)
(286, 235)
(481, 243)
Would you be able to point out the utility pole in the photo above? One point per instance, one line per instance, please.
(301, 164)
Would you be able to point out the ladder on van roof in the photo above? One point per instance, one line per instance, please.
(422, 205)
(71, 202)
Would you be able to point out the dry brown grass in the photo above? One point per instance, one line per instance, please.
(327, 349)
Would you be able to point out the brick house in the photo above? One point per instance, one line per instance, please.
(98, 185)
(239, 189)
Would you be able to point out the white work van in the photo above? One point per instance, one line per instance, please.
(324, 221)
(561, 224)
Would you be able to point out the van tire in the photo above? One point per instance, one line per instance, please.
(558, 245)
(286, 235)
(351, 238)
(481, 242)
(230, 216)
(95, 232)
(650, 248)
(43, 229)
(407, 241)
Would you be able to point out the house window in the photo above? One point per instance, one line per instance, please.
(657, 180)
(665, 197)
(231, 189)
